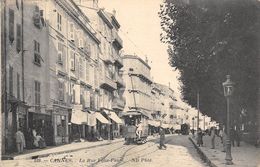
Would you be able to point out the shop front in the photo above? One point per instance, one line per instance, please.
(116, 123)
(16, 117)
(82, 124)
(60, 116)
(103, 126)
(42, 124)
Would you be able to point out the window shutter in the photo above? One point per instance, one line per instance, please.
(10, 80)
(18, 86)
(77, 93)
(37, 56)
(37, 17)
(42, 17)
(11, 25)
(60, 50)
(18, 37)
(87, 98)
(72, 60)
(71, 31)
(87, 71)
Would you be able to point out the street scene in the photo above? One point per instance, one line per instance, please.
(139, 83)
(180, 151)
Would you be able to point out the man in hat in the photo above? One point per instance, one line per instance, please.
(162, 138)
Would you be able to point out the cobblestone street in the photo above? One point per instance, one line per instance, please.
(180, 152)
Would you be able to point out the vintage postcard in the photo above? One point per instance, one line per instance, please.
(122, 83)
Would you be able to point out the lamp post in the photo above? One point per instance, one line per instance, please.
(228, 86)
(193, 126)
(198, 108)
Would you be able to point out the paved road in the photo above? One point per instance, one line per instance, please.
(180, 152)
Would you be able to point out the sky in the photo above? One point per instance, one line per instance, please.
(140, 31)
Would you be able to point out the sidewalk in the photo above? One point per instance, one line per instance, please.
(37, 153)
(244, 156)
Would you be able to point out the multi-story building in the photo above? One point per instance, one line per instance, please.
(136, 74)
(168, 102)
(26, 62)
(73, 69)
(51, 68)
(110, 62)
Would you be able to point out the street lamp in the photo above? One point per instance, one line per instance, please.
(228, 86)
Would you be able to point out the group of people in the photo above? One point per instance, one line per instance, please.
(32, 140)
(235, 137)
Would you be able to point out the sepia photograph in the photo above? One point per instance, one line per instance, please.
(130, 83)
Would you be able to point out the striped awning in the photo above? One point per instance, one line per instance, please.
(101, 118)
(115, 118)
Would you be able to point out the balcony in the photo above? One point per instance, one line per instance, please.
(108, 84)
(118, 61)
(118, 103)
(118, 42)
(108, 60)
(120, 82)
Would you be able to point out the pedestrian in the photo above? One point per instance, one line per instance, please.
(199, 137)
(237, 137)
(224, 139)
(220, 134)
(232, 136)
(20, 141)
(212, 136)
(162, 138)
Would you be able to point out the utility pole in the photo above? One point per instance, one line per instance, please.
(198, 108)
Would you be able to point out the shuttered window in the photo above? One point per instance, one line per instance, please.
(72, 61)
(71, 31)
(80, 68)
(11, 81)
(60, 53)
(59, 22)
(11, 25)
(18, 37)
(18, 86)
(37, 53)
(87, 71)
(61, 88)
(37, 91)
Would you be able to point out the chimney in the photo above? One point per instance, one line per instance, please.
(146, 59)
(114, 12)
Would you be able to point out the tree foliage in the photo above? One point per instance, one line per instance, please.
(209, 39)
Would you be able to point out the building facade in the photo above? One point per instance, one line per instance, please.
(110, 63)
(136, 74)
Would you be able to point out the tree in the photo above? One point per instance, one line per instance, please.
(209, 39)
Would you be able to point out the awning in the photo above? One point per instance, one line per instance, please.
(115, 118)
(131, 113)
(165, 126)
(92, 121)
(154, 123)
(101, 118)
(78, 117)
(177, 126)
(146, 113)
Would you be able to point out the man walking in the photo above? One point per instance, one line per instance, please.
(162, 138)
(20, 141)
(212, 136)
